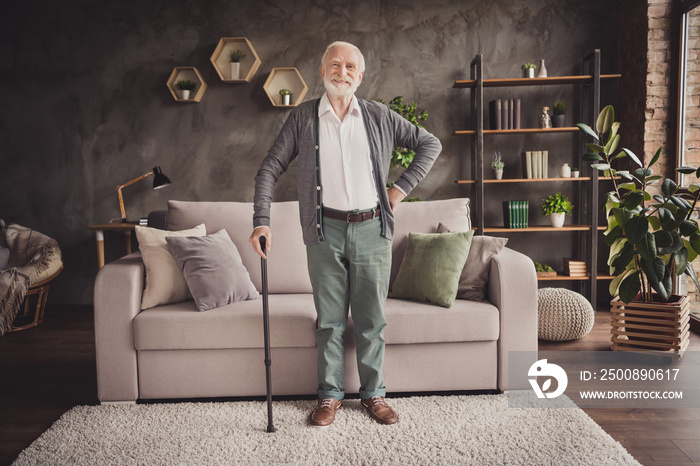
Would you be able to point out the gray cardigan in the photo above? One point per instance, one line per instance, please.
(298, 138)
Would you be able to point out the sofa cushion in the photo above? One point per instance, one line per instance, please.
(286, 265)
(475, 276)
(411, 322)
(213, 269)
(421, 217)
(164, 280)
(237, 325)
(431, 267)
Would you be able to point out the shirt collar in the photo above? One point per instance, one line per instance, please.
(325, 106)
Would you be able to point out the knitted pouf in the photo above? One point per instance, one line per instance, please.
(563, 315)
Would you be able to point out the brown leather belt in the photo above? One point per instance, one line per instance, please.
(352, 217)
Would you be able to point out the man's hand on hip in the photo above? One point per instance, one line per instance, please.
(255, 240)
(395, 197)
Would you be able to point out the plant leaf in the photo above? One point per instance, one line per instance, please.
(612, 144)
(629, 287)
(633, 200)
(691, 273)
(605, 120)
(623, 259)
(675, 245)
(631, 155)
(614, 287)
(636, 228)
(646, 247)
(587, 130)
(656, 156)
(688, 227)
(681, 259)
(669, 187)
(686, 170)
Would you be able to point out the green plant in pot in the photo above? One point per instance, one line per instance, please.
(559, 117)
(497, 165)
(528, 70)
(651, 236)
(235, 56)
(556, 206)
(286, 96)
(184, 87)
(400, 156)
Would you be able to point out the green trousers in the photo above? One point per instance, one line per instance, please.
(350, 270)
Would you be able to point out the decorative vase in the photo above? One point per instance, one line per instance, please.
(559, 121)
(286, 99)
(542, 73)
(529, 73)
(565, 171)
(235, 70)
(184, 94)
(498, 174)
(557, 219)
(545, 120)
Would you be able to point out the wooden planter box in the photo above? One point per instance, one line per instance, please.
(656, 326)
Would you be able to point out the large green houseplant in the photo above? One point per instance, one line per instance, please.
(652, 238)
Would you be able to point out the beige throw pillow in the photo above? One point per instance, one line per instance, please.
(475, 276)
(165, 282)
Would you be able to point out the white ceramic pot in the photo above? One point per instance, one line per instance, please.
(557, 219)
(235, 70)
(575, 173)
(529, 73)
(184, 94)
(498, 174)
(286, 99)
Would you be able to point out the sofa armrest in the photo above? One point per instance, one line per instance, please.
(513, 290)
(118, 290)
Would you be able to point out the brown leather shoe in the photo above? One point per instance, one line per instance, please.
(324, 414)
(380, 411)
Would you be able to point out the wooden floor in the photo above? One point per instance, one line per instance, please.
(49, 369)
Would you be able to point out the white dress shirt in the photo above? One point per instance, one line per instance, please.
(347, 177)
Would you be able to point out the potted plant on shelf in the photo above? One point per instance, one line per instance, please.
(286, 96)
(652, 241)
(497, 165)
(235, 57)
(528, 70)
(402, 157)
(184, 87)
(559, 118)
(575, 172)
(556, 206)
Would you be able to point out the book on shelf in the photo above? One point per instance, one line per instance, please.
(504, 114)
(575, 267)
(516, 214)
(536, 164)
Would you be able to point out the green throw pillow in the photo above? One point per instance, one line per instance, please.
(431, 267)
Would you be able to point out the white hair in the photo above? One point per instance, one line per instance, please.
(339, 43)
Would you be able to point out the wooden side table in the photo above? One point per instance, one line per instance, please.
(99, 230)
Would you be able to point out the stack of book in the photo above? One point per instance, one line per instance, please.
(504, 113)
(516, 213)
(575, 268)
(535, 164)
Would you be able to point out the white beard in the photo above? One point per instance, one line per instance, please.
(336, 91)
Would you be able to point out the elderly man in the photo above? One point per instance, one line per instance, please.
(344, 145)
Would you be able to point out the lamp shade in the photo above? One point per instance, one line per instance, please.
(159, 179)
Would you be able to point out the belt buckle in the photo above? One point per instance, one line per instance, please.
(347, 218)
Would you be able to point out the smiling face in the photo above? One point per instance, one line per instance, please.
(342, 71)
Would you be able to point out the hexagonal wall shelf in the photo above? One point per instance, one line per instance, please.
(187, 73)
(249, 64)
(285, 78)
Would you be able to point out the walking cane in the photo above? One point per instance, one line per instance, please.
(266, 330)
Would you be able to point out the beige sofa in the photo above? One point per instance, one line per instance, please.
(174, 351)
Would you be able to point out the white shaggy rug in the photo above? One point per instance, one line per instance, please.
(432, 430)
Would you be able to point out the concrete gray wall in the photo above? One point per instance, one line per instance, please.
(85, 106)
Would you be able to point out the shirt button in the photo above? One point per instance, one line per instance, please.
(316, 147)
(318, 207)
(318, 225)
(318, 188)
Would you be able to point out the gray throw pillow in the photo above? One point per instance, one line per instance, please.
(213, 269)
(4, 258)
(475, 276)
(431, 267)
